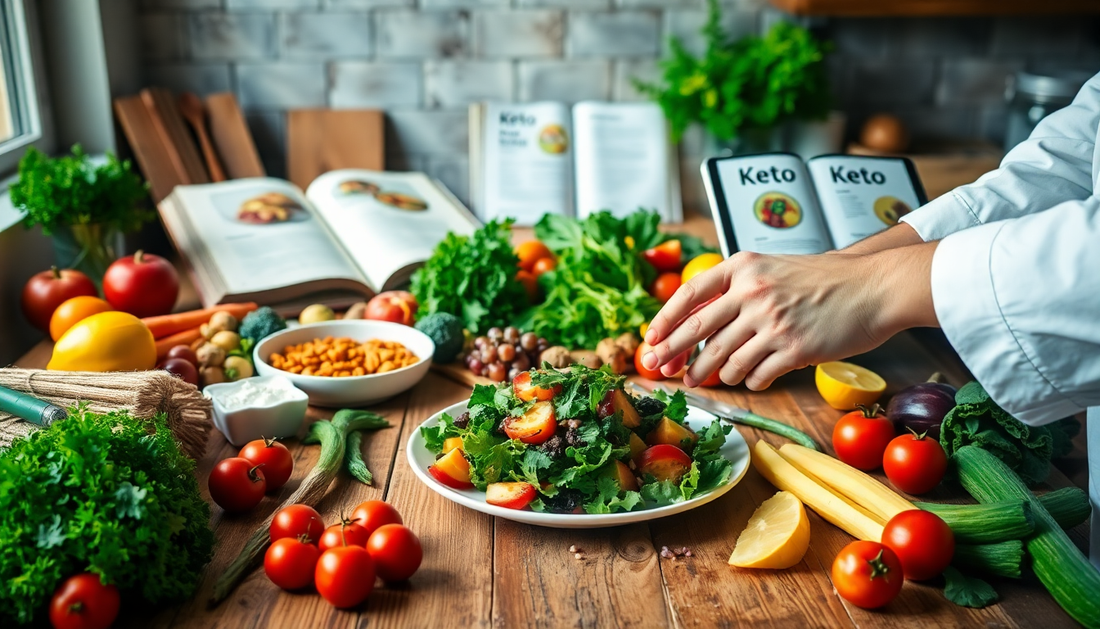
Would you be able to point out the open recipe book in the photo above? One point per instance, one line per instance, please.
(352, 234)
(530, 159)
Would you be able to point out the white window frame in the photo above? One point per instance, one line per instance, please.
(19, 26)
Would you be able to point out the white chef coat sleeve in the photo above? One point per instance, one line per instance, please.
(1019, 300)
(1052, 166)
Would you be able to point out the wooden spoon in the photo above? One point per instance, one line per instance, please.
(193, 110)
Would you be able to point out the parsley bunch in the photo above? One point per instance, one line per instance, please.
(99, 493)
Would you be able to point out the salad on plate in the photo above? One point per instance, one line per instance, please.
(575, 441)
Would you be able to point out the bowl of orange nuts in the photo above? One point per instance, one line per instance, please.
(352, 362)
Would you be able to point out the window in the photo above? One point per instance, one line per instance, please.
(21, 82)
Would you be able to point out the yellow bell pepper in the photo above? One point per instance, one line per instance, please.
(108, 341)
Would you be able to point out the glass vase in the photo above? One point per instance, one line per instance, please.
(87, 248)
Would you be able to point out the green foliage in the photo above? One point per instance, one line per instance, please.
(99, 493)
(473, 278)
(751, 83)
(70, 190)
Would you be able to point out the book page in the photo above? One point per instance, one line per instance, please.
(622, 156)
(261, 234)
(770, 205)
(861, 196)
(528, 161)
(387, 222)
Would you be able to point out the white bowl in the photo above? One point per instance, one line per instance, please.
(241, 425)
(353, 390)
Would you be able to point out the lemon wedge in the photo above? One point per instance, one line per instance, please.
(777, 535)
(844, 385)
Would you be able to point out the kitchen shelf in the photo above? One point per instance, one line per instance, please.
(912, 8)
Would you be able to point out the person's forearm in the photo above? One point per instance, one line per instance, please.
(903, 286)
(900, 235)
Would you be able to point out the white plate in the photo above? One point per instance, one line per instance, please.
(735, 449)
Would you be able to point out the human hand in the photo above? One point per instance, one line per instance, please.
(763, 316)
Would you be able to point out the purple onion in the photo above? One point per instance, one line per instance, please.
(921, 407)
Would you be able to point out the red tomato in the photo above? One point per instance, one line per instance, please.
(295, 521)
(526, 391)
(922, 541)
(914, 463)
(713, 380)
(543, 265)
(530, 252)
(665, 257)
(181, 369)
(345, 575)
(861, 437)
(510, 495)
(665, 286)
(143, 285)
(47, 290)
(396, 552)
(374, 513)
(290, 563)
(533, 427)
(867, 574)
(397, 306)
(652, 374)
(185, 352)
(237, 485)
(346, 533)
(276, 459)
(83, 602)
(530, 284)
(664, 462)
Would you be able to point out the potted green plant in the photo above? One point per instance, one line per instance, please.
(84, 206)
(742, 91)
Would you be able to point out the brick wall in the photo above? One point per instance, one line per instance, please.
(424, 61)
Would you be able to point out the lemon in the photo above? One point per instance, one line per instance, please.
(844, 385)
(777, 535)
(699, 264)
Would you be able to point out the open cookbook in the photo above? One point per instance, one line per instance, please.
(776, 203)
(530, 159)
(350, 235)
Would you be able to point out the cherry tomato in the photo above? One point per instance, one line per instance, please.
(290, 562)
(543, 265)
(295, 521)
(665, 286)
(665, 257)
(664, 462)
(535, 426)
(185, 352)
(867, 574)
(922, 541)
(861, 437)
(83, 602)
(181, 369)
(237, 485)
(143, 285)
(74, 310)
(915, 464)
(530, 284)
(531, 252)
(276, 459)
(452, 469)
(345, 575)
(396, 552)
(527, 392)
(374, 513)
(651, 374)
(45, 291)
(511, 495)
(344, 534)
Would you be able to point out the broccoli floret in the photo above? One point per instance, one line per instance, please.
(260, 323)
(445, 330)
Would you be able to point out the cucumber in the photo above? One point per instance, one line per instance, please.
(1069, 506)
(985, 524)
(1060, 566)
(1003, 559)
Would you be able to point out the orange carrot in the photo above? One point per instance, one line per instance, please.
(179, 338)
(166, 325)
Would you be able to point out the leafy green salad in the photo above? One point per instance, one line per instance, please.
(576, 442)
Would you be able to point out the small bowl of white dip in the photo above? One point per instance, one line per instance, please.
(254, 408)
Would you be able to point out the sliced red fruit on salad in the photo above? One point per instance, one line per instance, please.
(665, 256)
(452, 469)
(637, 446)
(631, 418)
(510, 495)
(451, 443)
(664, 462)
(668, 431)
(533, 427)
(527, 392)
(622, 475)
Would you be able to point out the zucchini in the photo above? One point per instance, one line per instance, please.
(860, 488)
(985, 524)
(1060, 566)
(1069, 506)
(1003, 559)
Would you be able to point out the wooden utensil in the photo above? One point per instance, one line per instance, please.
(151, 152)
(320, 140)
(165, 113)
(232, 138)
(195, 113)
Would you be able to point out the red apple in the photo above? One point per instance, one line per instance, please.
(397, 306)
(45, 291)
(143, 285)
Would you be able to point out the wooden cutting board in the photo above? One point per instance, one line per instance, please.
(320, 140)
(231, 137)
(153, 155)
(173, 131)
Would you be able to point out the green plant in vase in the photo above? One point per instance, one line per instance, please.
(743, 88)
(84, 206)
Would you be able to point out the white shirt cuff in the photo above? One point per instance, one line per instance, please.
(941, 217)
(965, 298)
